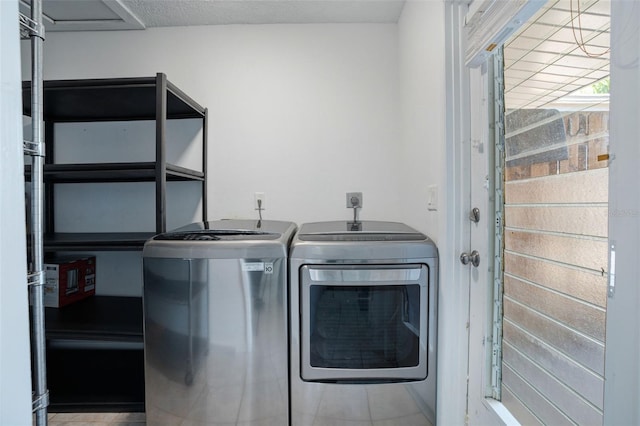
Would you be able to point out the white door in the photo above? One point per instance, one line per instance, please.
(621, 350)
(547, 312)
(469, 304)
(483, 348)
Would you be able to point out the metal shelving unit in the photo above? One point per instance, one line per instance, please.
(113, 324)
(115, 321)
(118, 99)
(33, 28)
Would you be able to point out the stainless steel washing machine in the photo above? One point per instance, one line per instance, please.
(363, 318)
(215, 324)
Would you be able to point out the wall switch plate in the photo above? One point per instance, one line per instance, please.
(354, 199)
(432, 198)
(258, 200)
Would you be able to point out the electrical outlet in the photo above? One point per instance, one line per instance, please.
(258, 200)
(354, 199)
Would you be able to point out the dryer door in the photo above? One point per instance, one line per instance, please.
(364, 323)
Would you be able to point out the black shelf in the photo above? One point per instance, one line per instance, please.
(95, 381)
(96, 241)
(113, 99)
(114, 172)
(95, 356)
(118, 99)
(101, 378)
(97, 318)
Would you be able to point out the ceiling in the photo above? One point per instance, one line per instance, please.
(543, 60)
(88, 15)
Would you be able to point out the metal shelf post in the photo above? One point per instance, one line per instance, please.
(33, 28)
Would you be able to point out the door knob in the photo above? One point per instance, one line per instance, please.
(474, 216)
(473, 258)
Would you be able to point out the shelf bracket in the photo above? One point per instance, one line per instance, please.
(40, 402)
(30, 28)
(35, 278)
(35, 149)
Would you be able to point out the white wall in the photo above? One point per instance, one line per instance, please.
(15, 378)
(422, 65)
(422, 121)
(303, 113)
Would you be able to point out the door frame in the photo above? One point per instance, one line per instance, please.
(622, 368)
(482, 408)
(622, 349)
(453, 305)
(464, 404)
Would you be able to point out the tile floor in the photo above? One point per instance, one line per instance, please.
(138, 419)
(97, 419)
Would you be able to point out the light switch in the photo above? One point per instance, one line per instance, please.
(432, 198)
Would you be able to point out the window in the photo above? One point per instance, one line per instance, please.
(556, 214)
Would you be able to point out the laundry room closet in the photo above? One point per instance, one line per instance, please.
(299, 112)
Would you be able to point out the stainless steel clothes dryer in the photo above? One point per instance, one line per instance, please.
(363, 310)
(215, 324)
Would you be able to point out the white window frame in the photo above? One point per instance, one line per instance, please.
(622, 350)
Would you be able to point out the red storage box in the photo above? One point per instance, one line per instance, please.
(68, 279)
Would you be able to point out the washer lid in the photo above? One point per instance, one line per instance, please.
(224, 239)
(227, 230)
(358, 231)
(217, 234)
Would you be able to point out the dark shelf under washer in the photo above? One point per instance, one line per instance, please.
(109, 320)
(102, 318)
(104, 241)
